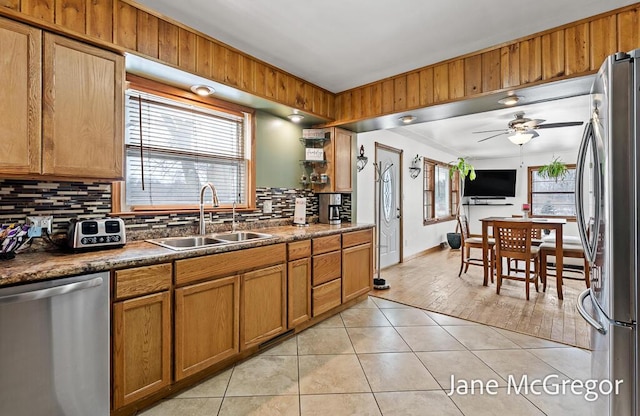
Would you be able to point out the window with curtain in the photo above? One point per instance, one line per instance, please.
(551, 198)
(174, 147)
(440, 196)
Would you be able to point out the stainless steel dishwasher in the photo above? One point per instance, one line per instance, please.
(54, 347)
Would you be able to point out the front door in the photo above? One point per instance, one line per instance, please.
(389, 205)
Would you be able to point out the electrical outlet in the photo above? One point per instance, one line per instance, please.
(267, 207)
(44, 222)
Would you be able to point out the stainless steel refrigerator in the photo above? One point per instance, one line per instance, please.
(607, 214)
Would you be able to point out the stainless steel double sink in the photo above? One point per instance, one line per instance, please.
(199, 241)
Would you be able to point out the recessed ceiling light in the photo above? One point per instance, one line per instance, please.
(510, 100)
(407, 119)
(203, 90)
(296, 118)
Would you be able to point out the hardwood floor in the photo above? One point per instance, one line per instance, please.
(431, 282)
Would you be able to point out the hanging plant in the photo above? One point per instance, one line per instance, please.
(554, 170)
(465, 168)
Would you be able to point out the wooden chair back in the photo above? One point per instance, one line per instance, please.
(513, 239)
(463, 223)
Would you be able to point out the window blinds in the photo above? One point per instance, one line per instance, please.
(181, 148)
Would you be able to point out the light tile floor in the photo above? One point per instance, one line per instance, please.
(384, 358)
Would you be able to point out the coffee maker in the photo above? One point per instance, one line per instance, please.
(330, 208)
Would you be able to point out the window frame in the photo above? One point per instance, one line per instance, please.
(530, 170)
(179, 95)
(454, 191)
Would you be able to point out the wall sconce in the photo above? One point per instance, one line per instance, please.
(362, 159)
(414, 169)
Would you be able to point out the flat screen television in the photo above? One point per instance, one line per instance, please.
(491, 183)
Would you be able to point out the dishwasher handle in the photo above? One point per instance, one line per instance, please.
(583, 312)
(50, 292)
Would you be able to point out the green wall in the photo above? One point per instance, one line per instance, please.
(278, 152)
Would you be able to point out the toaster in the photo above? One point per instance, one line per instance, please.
(96, 233)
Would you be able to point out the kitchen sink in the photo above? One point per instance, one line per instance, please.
(241, 236)
(186, 243)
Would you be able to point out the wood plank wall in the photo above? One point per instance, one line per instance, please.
(571, 50)
(131, 27)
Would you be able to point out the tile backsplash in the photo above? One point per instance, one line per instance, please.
(85, 200)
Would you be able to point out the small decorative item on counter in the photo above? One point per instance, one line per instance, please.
(11, 238)
(315, 177)
(525, 210)
(324, 178)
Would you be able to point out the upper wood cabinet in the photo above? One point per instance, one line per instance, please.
(20, 98)
(82, 110)
(339, 161)
(343, 166)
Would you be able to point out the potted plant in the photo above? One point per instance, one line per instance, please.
(464, 169)
(554, 170)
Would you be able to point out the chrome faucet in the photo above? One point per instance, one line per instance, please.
(214, 203)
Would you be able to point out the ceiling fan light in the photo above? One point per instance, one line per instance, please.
(520, 138)
(510, 100)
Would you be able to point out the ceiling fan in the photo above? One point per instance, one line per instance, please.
(523, 129)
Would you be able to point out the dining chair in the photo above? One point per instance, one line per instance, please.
(536, 240)
(571, 249)
(513, 241)
(468, 242)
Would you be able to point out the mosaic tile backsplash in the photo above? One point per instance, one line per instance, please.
(85, 200)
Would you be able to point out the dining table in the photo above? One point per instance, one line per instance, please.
(555, 224)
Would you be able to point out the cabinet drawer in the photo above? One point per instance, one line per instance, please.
(225, 264)
(142, 280)
(356, 238)
(299, 249)
(326, 267)
(326, 296)
(326, 244)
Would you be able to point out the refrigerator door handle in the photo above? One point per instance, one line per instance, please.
(579, 194)
(585, 315)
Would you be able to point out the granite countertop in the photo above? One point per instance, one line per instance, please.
(42, 265)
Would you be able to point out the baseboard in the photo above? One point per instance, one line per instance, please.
(430, 250)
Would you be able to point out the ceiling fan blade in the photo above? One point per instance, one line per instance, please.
(491, 137)
(533, 123)
(533, 133)
(491, 131)
(554, 125)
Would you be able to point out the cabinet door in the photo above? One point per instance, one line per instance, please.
(20, 97)
(299, 293)
(263, 305)
(142, 347)
(206, 324)
(357, 271)
(343, 167)
(82, 110)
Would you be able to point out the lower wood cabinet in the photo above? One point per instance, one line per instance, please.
(207, 324)
(142, 347)
(357, 271)
(263, 305)
(299, 291)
